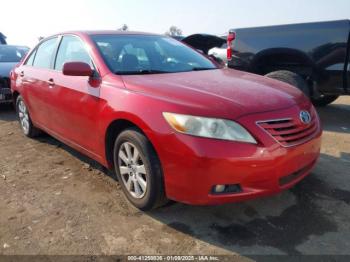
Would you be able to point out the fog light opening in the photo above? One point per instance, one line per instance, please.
(226, 189)
(219, 189)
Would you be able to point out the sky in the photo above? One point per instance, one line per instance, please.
(23, 21)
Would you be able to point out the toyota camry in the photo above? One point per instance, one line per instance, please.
(168, 120)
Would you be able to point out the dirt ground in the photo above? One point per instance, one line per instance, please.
(56, 201)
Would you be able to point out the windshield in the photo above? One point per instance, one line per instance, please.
(147, 54)
(12, 54)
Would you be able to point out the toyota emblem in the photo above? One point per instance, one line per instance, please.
(305, 117)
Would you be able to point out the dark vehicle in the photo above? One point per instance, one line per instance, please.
(2, 39)
(312, 56)
(211, 45)
(9, 58)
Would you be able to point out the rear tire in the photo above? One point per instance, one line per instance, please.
(292, 79)
(324, 100)
(139, 170)
(25, 121)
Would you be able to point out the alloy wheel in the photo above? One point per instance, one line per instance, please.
(23, 116)
(132, 170)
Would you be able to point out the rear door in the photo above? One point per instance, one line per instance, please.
(74, 101)
(34, 76)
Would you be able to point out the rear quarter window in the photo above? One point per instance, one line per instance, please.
(30, 59)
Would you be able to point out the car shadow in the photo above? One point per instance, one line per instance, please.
(273, 225)
(335, 117)
(277, 224)
(7, 113)
(47, 139)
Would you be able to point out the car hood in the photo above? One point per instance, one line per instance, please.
(5, 68)
(220, 92)
(204, 42)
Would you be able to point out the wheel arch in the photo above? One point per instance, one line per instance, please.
(15, 95)
(115, 127)
(289, 59)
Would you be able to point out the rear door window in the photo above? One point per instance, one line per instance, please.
(45, 53)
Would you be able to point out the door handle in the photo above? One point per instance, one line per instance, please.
(21, 74)
(51, 82)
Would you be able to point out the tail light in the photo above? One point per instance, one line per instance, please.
(230, 38)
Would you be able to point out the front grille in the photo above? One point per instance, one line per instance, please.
(290, 132)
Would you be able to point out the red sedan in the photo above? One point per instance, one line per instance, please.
(170, 122)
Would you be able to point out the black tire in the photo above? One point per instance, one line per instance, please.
(292, 79)
(154, 195)
(31, 131)
(324, 100)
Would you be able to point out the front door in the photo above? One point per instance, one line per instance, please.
(75, 103)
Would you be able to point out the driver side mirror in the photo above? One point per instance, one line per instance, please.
(77, 69)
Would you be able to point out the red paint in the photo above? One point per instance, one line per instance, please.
(77, 69)
(230, 38)
(78, 111)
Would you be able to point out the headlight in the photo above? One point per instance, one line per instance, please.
(209, 127)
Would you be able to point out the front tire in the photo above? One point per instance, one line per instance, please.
(292, 79)
(139, 170)
(25, 121)
(324, 100)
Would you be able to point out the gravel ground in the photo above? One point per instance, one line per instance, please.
(56, 201)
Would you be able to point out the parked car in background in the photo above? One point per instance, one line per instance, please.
(211, 45)
(9, 56)
(169, 121)
(2, 39)
(311, 56)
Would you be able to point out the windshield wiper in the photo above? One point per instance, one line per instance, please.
(141, 72)
(203, 68)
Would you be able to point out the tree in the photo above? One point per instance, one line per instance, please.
(174, 31)
(124, 27)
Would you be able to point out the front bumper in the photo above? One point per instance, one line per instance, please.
(192, 165)
(5, 95)
(5, 91)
